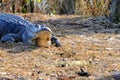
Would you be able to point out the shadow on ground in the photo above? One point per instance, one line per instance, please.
(81, 26)
(16, 47)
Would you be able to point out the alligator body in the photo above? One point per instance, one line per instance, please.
(14, 28)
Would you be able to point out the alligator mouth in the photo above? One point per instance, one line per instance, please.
(43, 38)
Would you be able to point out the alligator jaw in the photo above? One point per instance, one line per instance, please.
(43, 38)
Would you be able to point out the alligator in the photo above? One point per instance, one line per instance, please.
(14, 28)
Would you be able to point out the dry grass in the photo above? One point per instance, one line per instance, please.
(85, 8)
(92, 7)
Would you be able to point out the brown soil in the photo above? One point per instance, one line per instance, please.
(97, 53)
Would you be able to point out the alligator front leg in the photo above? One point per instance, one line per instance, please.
(27, 38)
(8, 38)
(55, 41)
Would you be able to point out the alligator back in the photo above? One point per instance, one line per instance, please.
(10, 18)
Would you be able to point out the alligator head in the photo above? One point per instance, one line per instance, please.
(43, 38)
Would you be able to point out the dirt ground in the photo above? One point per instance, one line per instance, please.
(92, 45)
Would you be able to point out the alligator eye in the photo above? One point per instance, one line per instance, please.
(37, 25)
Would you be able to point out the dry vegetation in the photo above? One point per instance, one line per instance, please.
(96, 52)
(82, 7)
(92, 7)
